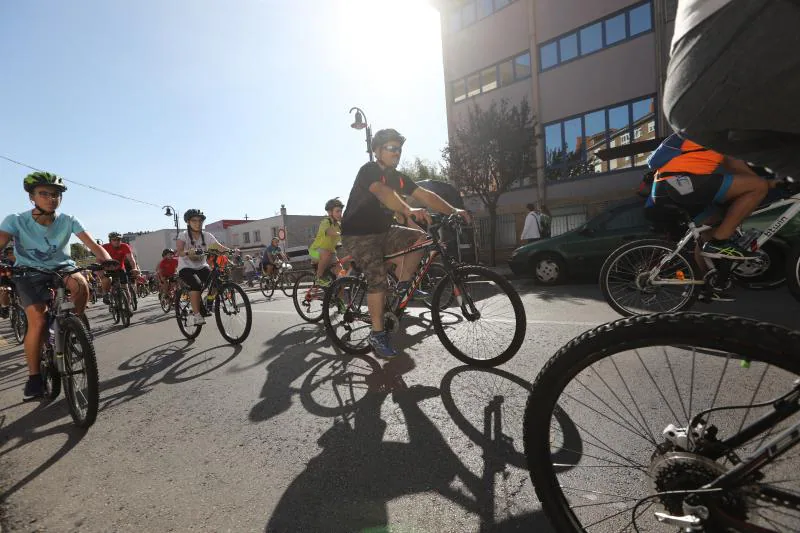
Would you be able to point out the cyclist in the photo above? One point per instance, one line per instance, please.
(250, 270)
(166, 269)
(697, 177)
(272, 253)
(329, 236)
(368, 233)
(41, 239)
(121, 252)
(192, 244)
(731, 81)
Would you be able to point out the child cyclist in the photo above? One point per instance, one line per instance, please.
(41, 240)
(190, 248)
(329, 235)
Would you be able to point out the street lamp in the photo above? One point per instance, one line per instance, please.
(360, 123)
(171, 211)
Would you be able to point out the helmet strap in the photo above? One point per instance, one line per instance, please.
(39, 212)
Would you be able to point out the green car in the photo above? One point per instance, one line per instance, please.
(580, 253)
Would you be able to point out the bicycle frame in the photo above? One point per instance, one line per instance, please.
(695, 231)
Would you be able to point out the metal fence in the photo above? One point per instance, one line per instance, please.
(506, 231)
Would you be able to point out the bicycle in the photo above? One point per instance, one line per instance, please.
(638, 277)
(648, 423)
(17, 316)
(68, 350)
(167, 299)
(142, 288)
(120, 298)
(131, 284)
(282, 280)
(462, 284)
(225, 298)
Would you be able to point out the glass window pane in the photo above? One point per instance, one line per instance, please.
(640, 19)
(488, 79)
(459, 90)
(484, 8)
(615, 29)
(573, 140)
(595, 131)
(548, 55)
(455, 20)
(501, 3)
(506, 73)
(591, 38)
(473, 85)
(554, 151)
(522, 66)
(468, 14)
(644, 126)
(619, 133)
(569, 47)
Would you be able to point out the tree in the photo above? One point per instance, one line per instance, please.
(78, 251)
(485, 156)
(421, 170)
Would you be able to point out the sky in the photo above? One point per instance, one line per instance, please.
(233, 107)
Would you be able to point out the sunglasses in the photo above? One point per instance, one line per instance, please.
(48, 194)
(116, 240)
(393, 149)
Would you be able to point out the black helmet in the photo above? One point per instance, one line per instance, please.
(385, 136)
(43, 178)
(167, 251)
(193, 213)
(332, 203)
(114, 235)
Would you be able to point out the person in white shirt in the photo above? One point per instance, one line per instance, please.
(191, 247)
(532, 231)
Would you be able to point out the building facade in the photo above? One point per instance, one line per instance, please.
(591, 70)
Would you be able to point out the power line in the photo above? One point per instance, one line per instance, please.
(83, 184)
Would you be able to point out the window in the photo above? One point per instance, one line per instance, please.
(640, 19)
(499, 4)
(468, 14)
(626, 218)
(616, 28)
(484, 8)
(522, 66)
(490, 78)
(569, 47)
(274, 233)
(257, 236)
(571, 144)
(591, 38)
(246, 237)
(548, 55)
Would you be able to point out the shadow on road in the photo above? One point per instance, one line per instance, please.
(357, 473)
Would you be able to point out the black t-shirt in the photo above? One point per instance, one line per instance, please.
(364, 214)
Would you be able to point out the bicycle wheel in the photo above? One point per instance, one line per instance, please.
(115, 307)
(651, 403)
(183, 313)
(267, 286)
(287, 284)
(430, 280)
(793, 272)
(81, 381)
(50, 376)
(19, 323)
(481, 297)
(133, 301)
(624, 275)
(308, 297)
(233, 313)
(345, 314)
(166, 301)
(125, 310)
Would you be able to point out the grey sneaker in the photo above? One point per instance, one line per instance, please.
(380, 345)
(34, 388)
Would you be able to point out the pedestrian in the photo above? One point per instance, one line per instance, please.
(532, 230)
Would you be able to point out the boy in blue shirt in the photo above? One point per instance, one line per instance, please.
(41, 239)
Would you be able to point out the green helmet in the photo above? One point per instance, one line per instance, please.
(385, 136)
(35, 179)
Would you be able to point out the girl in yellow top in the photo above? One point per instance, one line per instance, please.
(329, 235)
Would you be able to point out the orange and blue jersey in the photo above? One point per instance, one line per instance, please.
(677, 155)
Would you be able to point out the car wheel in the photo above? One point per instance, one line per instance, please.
(548, 269)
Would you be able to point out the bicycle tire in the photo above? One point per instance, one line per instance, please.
(342, 284)
(51, 378)
(224, 288)
(72, 324)
(182, 313)
(660, 247)
(19, 323)
(287, 284)
(133, 301)
(125, 310)
(165, 301)
(520, 323)
(115, 307)
(793, 272)
(300, 294)
(767, 343)
(266, 286)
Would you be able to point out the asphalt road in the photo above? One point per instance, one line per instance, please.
(283, 434)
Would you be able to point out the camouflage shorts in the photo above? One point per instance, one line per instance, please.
(368, 252)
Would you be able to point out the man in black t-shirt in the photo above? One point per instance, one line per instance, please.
(368, 233)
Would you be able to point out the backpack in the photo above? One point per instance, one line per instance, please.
(668, 150)
(544, 223)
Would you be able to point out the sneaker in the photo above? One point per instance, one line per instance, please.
(34, 388)
(197, 320)
(380, 345)
(726, 249)
(322, 282)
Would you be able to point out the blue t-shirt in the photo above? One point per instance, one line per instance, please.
(41, 246)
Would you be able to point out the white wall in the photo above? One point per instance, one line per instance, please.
(147, 248)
